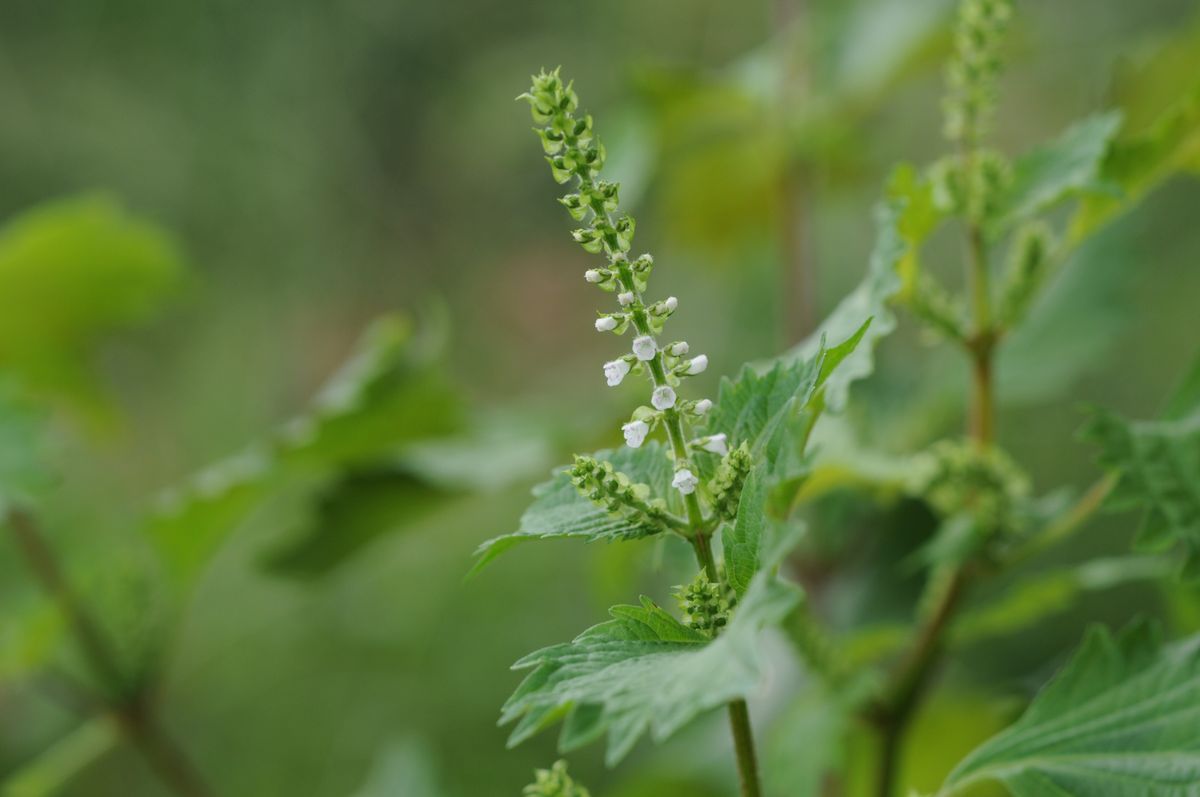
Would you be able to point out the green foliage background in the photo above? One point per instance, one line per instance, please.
(207, 204)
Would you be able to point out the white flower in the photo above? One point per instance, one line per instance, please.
(671, 303)
(716, 444)
(625, 299)
(614, 372)
(703, 406)
(592, 275)
(697, 365)
(678, 349)
(644, 348)
(663, 398)
(685, 481)
(635, 433)
(606, 324)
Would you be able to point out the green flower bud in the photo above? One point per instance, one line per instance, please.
(704, 606)
(1026, 268)
(554, 782)
(602, 485)
(958, 476)
(726, 485)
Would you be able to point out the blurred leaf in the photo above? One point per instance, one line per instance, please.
(403, 768)
(871, 298)
(1036, 597)
(1138, 163)
(558, 510)
(806, 745)
(1158, 463)
(54, 767)
(29, 638)
(389, 394)
(1119, 719)
(71, 270)
(643, 671)
(742, 540)
(1066, 167)
(757, 407)
(349, 514)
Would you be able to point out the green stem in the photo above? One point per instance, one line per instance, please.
(134, 715)
(743, 745)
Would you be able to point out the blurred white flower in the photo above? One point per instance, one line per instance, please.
(685, 481)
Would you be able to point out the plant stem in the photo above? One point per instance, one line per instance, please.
(134, 715)
(892, 714)
(743, 744)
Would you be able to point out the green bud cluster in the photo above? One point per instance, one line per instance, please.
(961, 476)
(573, 151)
(554, 782)
(704, 606)
(726, 484)
(1027, 262)
(972, 71)
(605, 486)
(933, 304)
(971, 186)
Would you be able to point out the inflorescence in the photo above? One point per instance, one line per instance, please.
(576, 155)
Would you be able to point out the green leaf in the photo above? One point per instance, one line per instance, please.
(403, 767)
(388, 395)
(1066, 167)
(1158, 463)
(742, 540)
(71, 270)
(643, 671)
(1119, 719)
(756, 407)
(558, 510)
(903, 219)
(1138, 163)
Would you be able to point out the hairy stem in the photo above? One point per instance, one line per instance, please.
(135, 715)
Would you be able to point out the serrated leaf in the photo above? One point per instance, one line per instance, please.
(1120, 719)
(899, 220)
(71, 270)
(742, 541)
(1064, 168)
(1158, 463)
(389, 394)
(558, 510)
(643, 671)
(756, 407)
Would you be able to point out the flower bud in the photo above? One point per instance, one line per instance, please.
(663, 398)
(635, 433)
(678, 349)
(644, 348)
(615, 371)
(716, 444)
(606, 323)
(671, 303)
(685, 481)
(697, 365)
(702, 406)
(625, 299)
(593, 276)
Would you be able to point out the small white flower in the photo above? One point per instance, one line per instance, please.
(685, 481)
(592, 275)
(671, 303)
(716, 444)
(697, 365)
(606, 324)
(644, 348)
(703, 406)
(635, 433)
(663, 398)
(625, 299)
(614, 371)
(678, 349)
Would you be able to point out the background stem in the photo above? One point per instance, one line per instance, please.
(134, 715)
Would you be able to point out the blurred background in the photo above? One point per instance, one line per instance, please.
(207, 204)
